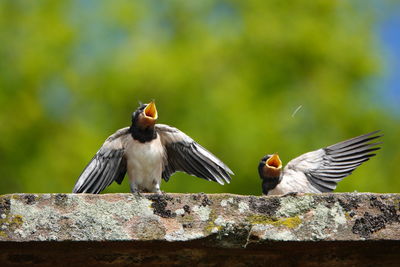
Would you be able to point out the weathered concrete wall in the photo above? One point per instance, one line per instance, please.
(187, 228)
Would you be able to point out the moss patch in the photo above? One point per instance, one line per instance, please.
(10, 224)
(291, 222)
(211, 223)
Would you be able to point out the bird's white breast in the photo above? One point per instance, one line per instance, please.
(293, 181)
(145, 163)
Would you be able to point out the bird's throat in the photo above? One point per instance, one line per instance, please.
(143, 135)
(270, 183)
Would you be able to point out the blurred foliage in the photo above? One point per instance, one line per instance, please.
(228, 73)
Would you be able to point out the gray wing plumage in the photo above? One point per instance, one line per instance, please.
(107, 165)
(184, 154)
(325, 167)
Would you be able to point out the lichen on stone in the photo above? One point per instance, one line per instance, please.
(203, 212)
(243, 207)
(160, 204)
(292, 206)
(267, 206)
(369, 224)
(326, 221)
(225, 202)
(270, 233)
(180, 212)
(5, 204)
(228, 220)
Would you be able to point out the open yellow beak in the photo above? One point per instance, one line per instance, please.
(274, 162)
(150, 111)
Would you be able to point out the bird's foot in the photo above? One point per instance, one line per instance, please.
(290, 194)
(135, 190)
(159, 192)
(137, 194)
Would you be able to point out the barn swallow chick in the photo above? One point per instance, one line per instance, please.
(317, 171)
(148, 152)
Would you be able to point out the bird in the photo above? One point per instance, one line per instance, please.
(148, 152)
(317, 171)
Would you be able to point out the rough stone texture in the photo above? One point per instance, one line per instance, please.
(218, 229)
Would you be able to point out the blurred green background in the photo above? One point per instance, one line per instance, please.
(228, 73)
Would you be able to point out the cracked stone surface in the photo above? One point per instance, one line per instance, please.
(197, 222)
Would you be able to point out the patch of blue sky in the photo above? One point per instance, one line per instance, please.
(224, 20)
(98, 37)
(389, 34)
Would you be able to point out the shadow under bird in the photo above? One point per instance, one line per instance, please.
(148, 152)
(317, 171)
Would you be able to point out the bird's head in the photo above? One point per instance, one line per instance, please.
(270, 167)
(270, 171)
(145, 116)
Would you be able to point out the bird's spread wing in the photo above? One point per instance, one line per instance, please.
(184, 154)
(325, 167)
(107, 165)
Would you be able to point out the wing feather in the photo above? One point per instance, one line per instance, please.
(325, 167)
(107, 166)
(184, 154)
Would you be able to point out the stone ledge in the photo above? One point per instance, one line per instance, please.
(200, 229)
(230, 221)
